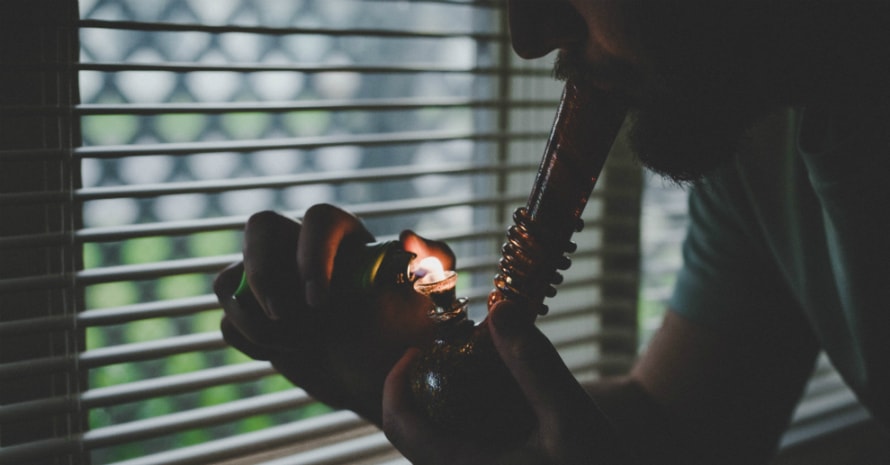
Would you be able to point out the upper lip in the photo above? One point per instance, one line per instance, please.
(610, 74)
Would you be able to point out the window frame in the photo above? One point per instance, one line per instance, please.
(38, 50)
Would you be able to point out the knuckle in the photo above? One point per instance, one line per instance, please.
(263, 218)
(269, 222)
(322, 212)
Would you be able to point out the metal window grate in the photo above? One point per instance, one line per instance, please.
(197, 113)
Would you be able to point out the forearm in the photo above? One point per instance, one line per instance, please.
(697, 397)
(637, 419)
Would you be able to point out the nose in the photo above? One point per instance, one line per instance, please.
(538, 27)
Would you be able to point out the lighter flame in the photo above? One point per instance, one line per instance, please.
(430, 269)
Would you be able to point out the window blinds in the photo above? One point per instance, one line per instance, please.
(196, 114)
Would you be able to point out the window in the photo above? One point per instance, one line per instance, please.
(196, 113)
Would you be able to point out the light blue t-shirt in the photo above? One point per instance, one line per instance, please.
(801, 224)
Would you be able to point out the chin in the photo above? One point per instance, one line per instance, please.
(685, 140)
(682, 153)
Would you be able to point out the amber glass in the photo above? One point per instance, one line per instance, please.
(584, 129)
(460, 380)
(464, 387)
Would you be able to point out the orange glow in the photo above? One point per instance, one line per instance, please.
(430, 269)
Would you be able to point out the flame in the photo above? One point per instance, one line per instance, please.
(430, 269)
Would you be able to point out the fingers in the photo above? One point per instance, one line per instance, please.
(245, 326)
(324, 228)
(423, 247)
(270, 261)
(227, 281)
(547, 383)
(405, 426)
(237, 339)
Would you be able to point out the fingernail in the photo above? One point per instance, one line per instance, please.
(316, 293)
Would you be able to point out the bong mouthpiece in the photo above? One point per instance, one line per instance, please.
(586, 124)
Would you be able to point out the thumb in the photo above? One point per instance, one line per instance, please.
(423, 247)
(548, 385)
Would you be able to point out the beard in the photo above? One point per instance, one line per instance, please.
(687, 118)
(684, 138)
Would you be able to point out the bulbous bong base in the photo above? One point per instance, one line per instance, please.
(463, 386)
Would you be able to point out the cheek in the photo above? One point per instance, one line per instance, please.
(612, 29)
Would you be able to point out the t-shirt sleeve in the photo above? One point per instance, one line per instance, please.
(728, 280)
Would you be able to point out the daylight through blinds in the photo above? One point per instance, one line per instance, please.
(195, 114)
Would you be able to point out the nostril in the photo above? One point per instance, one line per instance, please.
(539, 27)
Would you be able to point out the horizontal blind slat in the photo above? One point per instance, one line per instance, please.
(41, 449)
(138, 390)
(38, 282)
(366, 175)
(155, 270)
(158, 387)
(339, 453)
(265, 30)
(201, 417)
(18, 328)
(111, 315)
(38, 408)
(272, 107)
(133, 352)
(329, 178)
(172, 228)
(35, 240)
(253, 442)
(287, 106)
(30, 155)
(145, 310)
(172, 67)
(114, 354)
(100, 232)
(34, 367)
(305, 143)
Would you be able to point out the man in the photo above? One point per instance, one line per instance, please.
(787, 251)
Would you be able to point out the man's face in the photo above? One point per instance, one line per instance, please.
(689, 70)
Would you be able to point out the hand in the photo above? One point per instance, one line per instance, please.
(338, 351)
(570, 428)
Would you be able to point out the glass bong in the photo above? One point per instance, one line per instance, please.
(460, 381)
